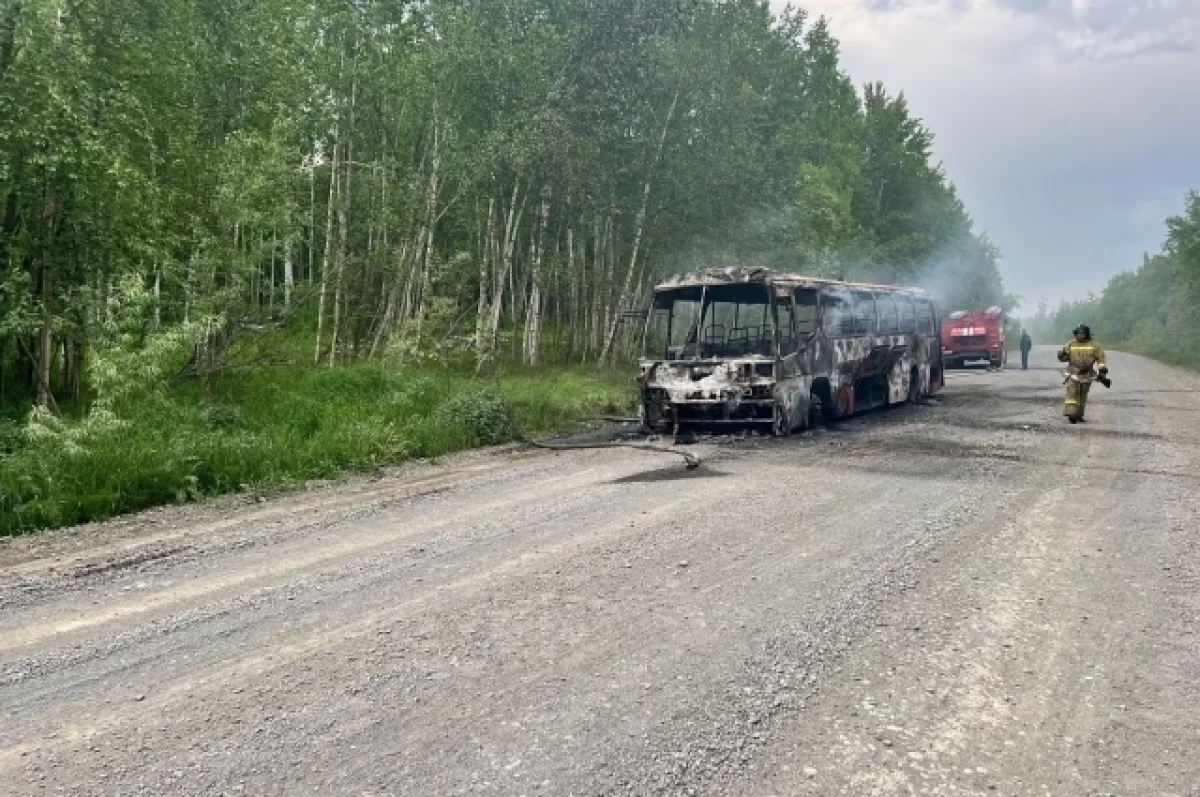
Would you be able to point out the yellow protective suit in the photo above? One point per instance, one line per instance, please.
(1083, 359)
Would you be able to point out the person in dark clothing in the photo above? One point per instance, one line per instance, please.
(1026, 347)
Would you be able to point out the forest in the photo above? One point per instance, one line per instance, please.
(1153, 310)
(250, 242)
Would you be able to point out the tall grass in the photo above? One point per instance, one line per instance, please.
(277, 428)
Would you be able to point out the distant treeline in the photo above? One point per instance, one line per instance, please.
(1154, 310)
(428, 179)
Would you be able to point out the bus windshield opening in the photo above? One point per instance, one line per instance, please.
(712, 322)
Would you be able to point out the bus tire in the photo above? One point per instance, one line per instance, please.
(821, 409)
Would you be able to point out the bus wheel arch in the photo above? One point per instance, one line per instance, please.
(822, 408)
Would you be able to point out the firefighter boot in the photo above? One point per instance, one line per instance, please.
(1076, 405)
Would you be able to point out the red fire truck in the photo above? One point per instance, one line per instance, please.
(974, 335)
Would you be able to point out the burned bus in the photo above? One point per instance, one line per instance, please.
(751, 348)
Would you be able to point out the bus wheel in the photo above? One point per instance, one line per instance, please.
(820, 406)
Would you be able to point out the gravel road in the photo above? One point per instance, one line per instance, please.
(966, 597)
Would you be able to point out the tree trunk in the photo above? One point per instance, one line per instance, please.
(639, 229)
(271, 279)
(391, 303)
(340, 270)
(188, 282)
(606, 282)
(503, 273)
(573, 319)
(79, 362)
(533, 312)
(329, 213)
(45, 358)
(158, 298)
(431, 198)
(598, 281)
(46, 340)
(345, 198)
(289, 273)
(485, 262)
(383, 315)
(395, 296)
(557, 291)
(312, 216)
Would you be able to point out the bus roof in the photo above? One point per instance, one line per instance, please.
(744, 276)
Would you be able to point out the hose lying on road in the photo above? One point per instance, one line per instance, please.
(690, 459)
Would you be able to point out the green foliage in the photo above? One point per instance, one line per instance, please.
(486, 416)
(1154, 310)
(130, 364)
(202, 199)
(190, 147)
(276, 429)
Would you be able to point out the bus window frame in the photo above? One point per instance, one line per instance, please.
(865, 323)
(789, 344)
(840, 300)
(926, 304)
(889, 300)
(815, 295)
(908, 324)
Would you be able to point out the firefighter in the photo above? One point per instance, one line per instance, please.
(1085, 359)
(1026, 347)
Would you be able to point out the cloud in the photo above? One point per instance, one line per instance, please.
(1034, 29)
(1107, 44)
(1066, 124)
(1025, 6)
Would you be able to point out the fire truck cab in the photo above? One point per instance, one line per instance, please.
(974, 335)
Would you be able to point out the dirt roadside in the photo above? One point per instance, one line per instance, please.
(969, 598)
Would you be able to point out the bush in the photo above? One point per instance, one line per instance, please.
(272, 429)
(12, 437)
(487, 417)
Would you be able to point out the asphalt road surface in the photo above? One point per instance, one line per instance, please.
(965, 597)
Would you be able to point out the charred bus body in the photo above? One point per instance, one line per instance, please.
(776, 352)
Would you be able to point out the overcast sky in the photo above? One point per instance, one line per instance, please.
(1071, 127)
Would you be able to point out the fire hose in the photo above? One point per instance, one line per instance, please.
(690, 460)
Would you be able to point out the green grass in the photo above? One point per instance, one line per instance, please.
(278, 428)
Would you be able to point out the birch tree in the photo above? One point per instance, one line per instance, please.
(500, 179)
